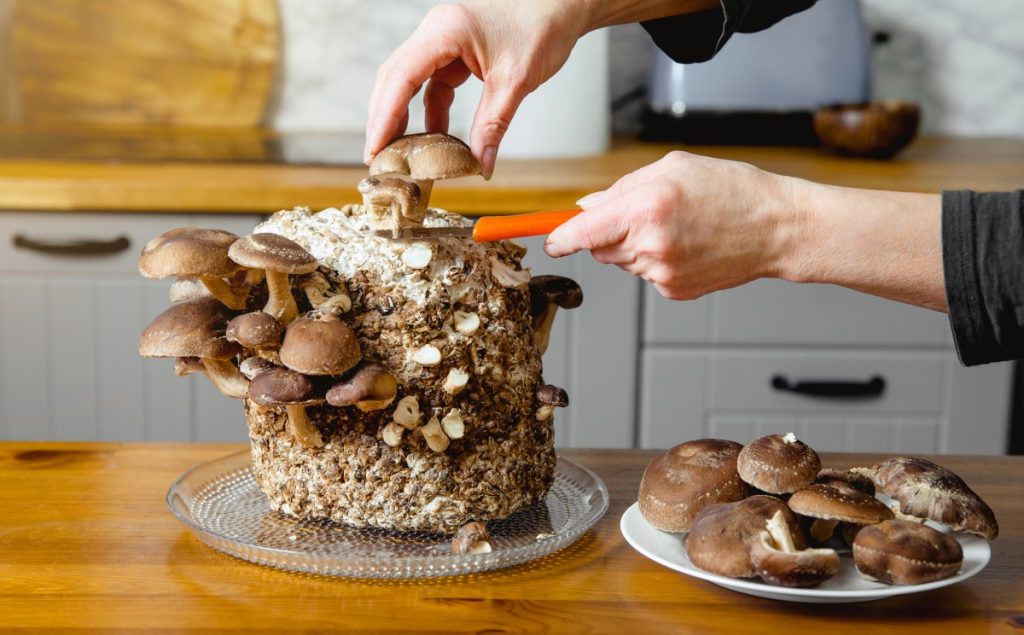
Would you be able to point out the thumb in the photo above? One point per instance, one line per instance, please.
(498, 104)
(600, 226)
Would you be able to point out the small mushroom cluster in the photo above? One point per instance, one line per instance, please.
(751, 511)
(283, 360)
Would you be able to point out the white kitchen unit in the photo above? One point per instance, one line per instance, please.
(740, 363)
(72, 306)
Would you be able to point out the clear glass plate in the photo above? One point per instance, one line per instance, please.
(221, 503)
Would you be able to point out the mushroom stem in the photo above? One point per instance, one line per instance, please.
(231, 297)
(421, 208)
(822, 528)
(281, 304)
(301, 428)
(227, 379)
(542, 327)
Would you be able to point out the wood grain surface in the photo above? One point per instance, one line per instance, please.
(87, 544)
(930, 165)
(157, 62)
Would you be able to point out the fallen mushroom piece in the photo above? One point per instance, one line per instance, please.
(369, 388)
(471, 538)
(257, 330)
(677, 485)
(196, 328)
(854, 479)
(835, 502)
(722, 536)
(426, 157)
(927, 490)
(435, 437)
(778, 464)
(194, 253)
(399, 197)
(187, 289)
(324, 346)
(252, 366)
(779, 563)
(277, 257)
(456, 381)
(900, 552)
(407, 412)
(392, 434)
(453, 425)
(547, 295)
(294, 391)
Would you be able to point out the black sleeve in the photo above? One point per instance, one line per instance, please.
(696, 37)
(983, 263)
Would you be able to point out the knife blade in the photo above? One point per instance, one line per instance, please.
(488, 228)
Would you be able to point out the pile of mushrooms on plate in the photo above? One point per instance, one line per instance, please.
(768, 510)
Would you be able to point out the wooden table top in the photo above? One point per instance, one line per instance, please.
(227, 173)
(87, 542)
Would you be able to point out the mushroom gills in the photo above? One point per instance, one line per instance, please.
(778, 562)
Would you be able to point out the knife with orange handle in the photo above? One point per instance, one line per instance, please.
(488, 228)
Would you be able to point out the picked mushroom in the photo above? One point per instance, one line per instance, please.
(678, 484)
(294, 391)
(550, 397)
(277, 257)
(199, 254)
(778, 464)
(324, 346)
(831, 503)
(900, 552)
(777, 560)
(258, 331)
(399, 197)
(426, 157)
(434, 435)
(369, 388)
(927, 490)
(196, 328)
(854, 479)
(471, 538)
(547, 295)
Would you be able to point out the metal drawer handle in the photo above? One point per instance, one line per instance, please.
(873, 387)
(84, 247)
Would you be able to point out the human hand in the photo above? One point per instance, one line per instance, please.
(687, 224)
(513, 47)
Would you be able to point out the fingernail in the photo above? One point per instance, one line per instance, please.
(552, 249)
(489, 156)
(592, 199)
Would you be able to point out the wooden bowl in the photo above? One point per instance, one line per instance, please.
(877, 129)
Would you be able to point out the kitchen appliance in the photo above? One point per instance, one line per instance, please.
(762, 88)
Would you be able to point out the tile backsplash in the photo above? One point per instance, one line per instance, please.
(962, 60)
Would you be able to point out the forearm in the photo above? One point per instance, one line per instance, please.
(887, 244)
(602, 13)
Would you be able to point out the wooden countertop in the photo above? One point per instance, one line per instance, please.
(234, 174)
(87, 542)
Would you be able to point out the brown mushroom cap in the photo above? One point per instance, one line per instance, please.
(777, 562)
(855, 480)
(927, 490)
(194, 328)
(255, 330)
(471, 538)
(282, 387)
(272, 252)
(188, 252)
(553, 396)
(687, 478)
(428, 156)
(839, 501)
(319, 347)
(722, 536)
(778, 464)
(252, 366)
(563, 292)
(901, 552)
(369, 388)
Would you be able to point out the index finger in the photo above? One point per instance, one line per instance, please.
(398, 80)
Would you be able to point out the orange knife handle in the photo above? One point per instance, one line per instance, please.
(491, 228)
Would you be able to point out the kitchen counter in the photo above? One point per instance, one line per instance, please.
(207, 172)
(87, 541)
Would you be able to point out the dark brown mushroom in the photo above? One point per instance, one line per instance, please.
(471, 538)
(901, 552)
(195, 253)
(778, 562)
(294, 391)
(369, 388)
(547, 295)
(854, 479)
(258, 331)
(277, 257)
(778, 464)
(835, 502)
(324, 346)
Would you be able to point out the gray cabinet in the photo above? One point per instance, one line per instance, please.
(69, 327)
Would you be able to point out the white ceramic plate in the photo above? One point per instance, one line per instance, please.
(847, 586)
